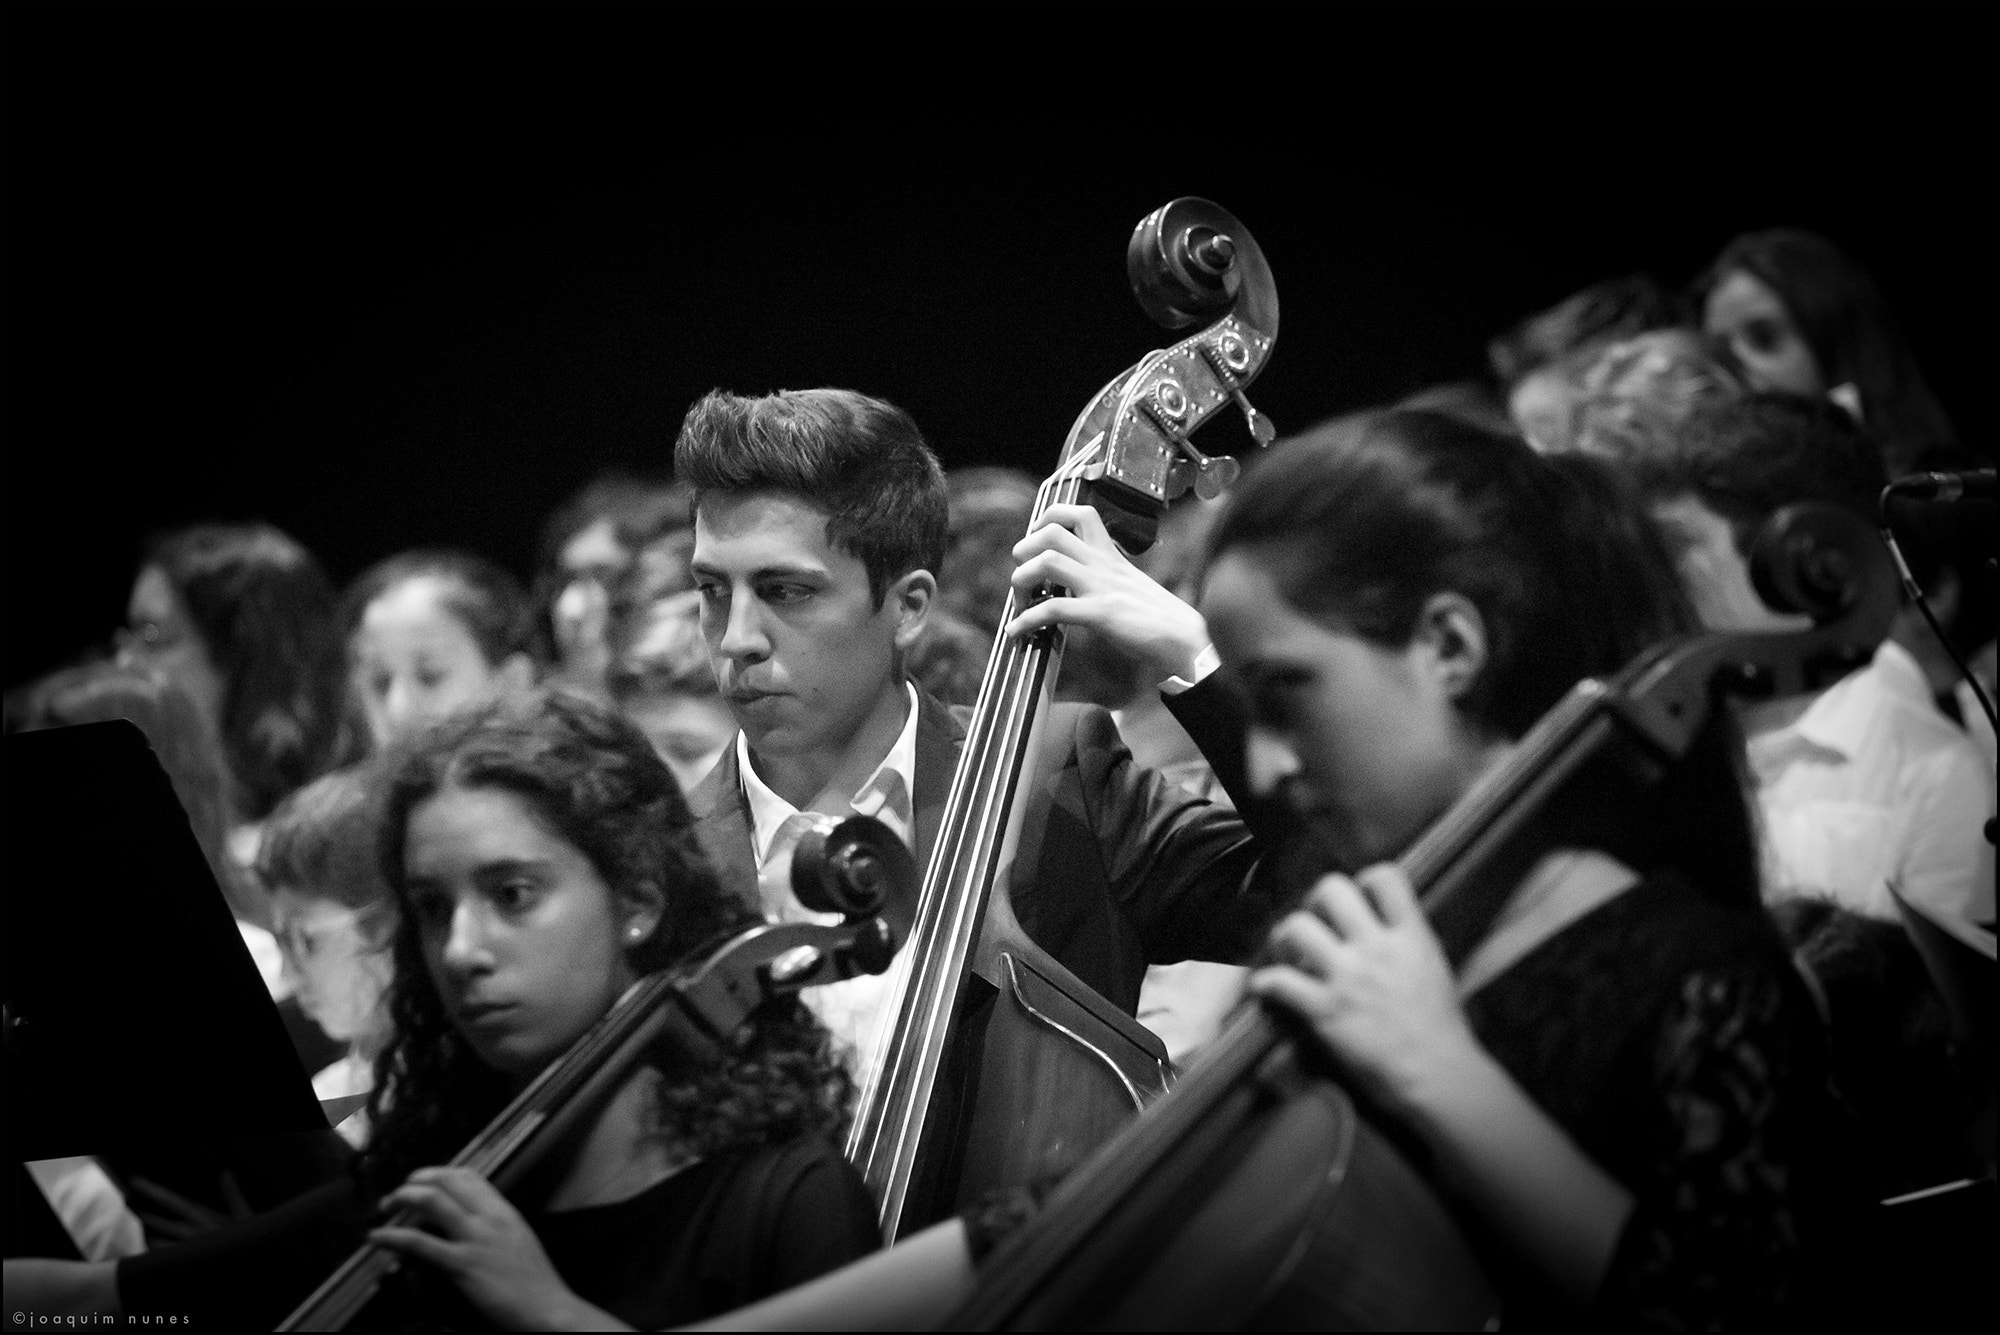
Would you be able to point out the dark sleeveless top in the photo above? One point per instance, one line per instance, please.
(1674, 1042)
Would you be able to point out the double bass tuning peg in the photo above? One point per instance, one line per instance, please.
(1228, 362)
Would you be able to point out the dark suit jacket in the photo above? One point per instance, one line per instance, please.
(1116, 868)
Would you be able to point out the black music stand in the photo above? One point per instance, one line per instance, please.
(137, 1028)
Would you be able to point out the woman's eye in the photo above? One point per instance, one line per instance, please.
(515, 894)
(1763, 336)
(1272, 699)
(430, 681)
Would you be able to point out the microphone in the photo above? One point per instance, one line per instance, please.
(1973, 484)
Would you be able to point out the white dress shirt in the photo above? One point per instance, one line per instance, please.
(1871, 783)
(852, 1010)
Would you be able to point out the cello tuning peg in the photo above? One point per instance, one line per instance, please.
(1217, 474)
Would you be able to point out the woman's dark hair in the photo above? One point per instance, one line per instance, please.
(265, 614)
(597, 782)
(1361, 525)
(1841, 315)
(486, 600)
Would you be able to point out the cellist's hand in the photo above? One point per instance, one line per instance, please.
(1071, 548)
(477, 1237)
(1362, 966)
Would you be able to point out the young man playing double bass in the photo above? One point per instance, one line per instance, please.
(820, 517)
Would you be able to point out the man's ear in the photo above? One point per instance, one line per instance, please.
(910, 599)
(1451, 640)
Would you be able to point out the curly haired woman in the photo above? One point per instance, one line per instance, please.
(542, 861)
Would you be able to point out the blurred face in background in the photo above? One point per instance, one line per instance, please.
(1714, 573)
(663, 683)
(1745, 313)
(160, 637)
(414, 660)
(689, 731)
(595, 552)
(336, 961)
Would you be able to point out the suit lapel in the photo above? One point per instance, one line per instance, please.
(940, 734)
(722, 821)
(723, 826)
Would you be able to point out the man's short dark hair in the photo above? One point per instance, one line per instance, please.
(1746, 458)
(860, 460)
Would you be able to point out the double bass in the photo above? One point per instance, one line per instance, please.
(1256, 1195)
(1001, 1067)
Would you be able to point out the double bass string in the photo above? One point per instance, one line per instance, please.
(895, 1092)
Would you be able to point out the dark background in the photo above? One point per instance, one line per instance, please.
(395, 275)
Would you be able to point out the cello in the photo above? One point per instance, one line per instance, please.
(847, 867)
(1001, 1067)
(1255, 1195)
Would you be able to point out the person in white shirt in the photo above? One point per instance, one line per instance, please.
(1861, 784)
(334, 918)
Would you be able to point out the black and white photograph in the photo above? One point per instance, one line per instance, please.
(999, 667)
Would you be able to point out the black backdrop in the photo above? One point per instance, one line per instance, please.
(390, 275)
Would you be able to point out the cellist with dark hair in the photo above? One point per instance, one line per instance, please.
(1618, 1086)
(541, 860)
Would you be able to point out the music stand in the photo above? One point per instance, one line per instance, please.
(137, 1027)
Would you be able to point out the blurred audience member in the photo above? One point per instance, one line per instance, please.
(430, 632)
(320, 862)
(1541, 361)
(1802, 318)
(661, 680)
(990, 508)
(1638, 393)
(1864, 782)
(618, 524)
(240, 619)
(948, 658)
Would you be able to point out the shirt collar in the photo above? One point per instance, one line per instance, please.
(1838, 719)
(886, 795)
